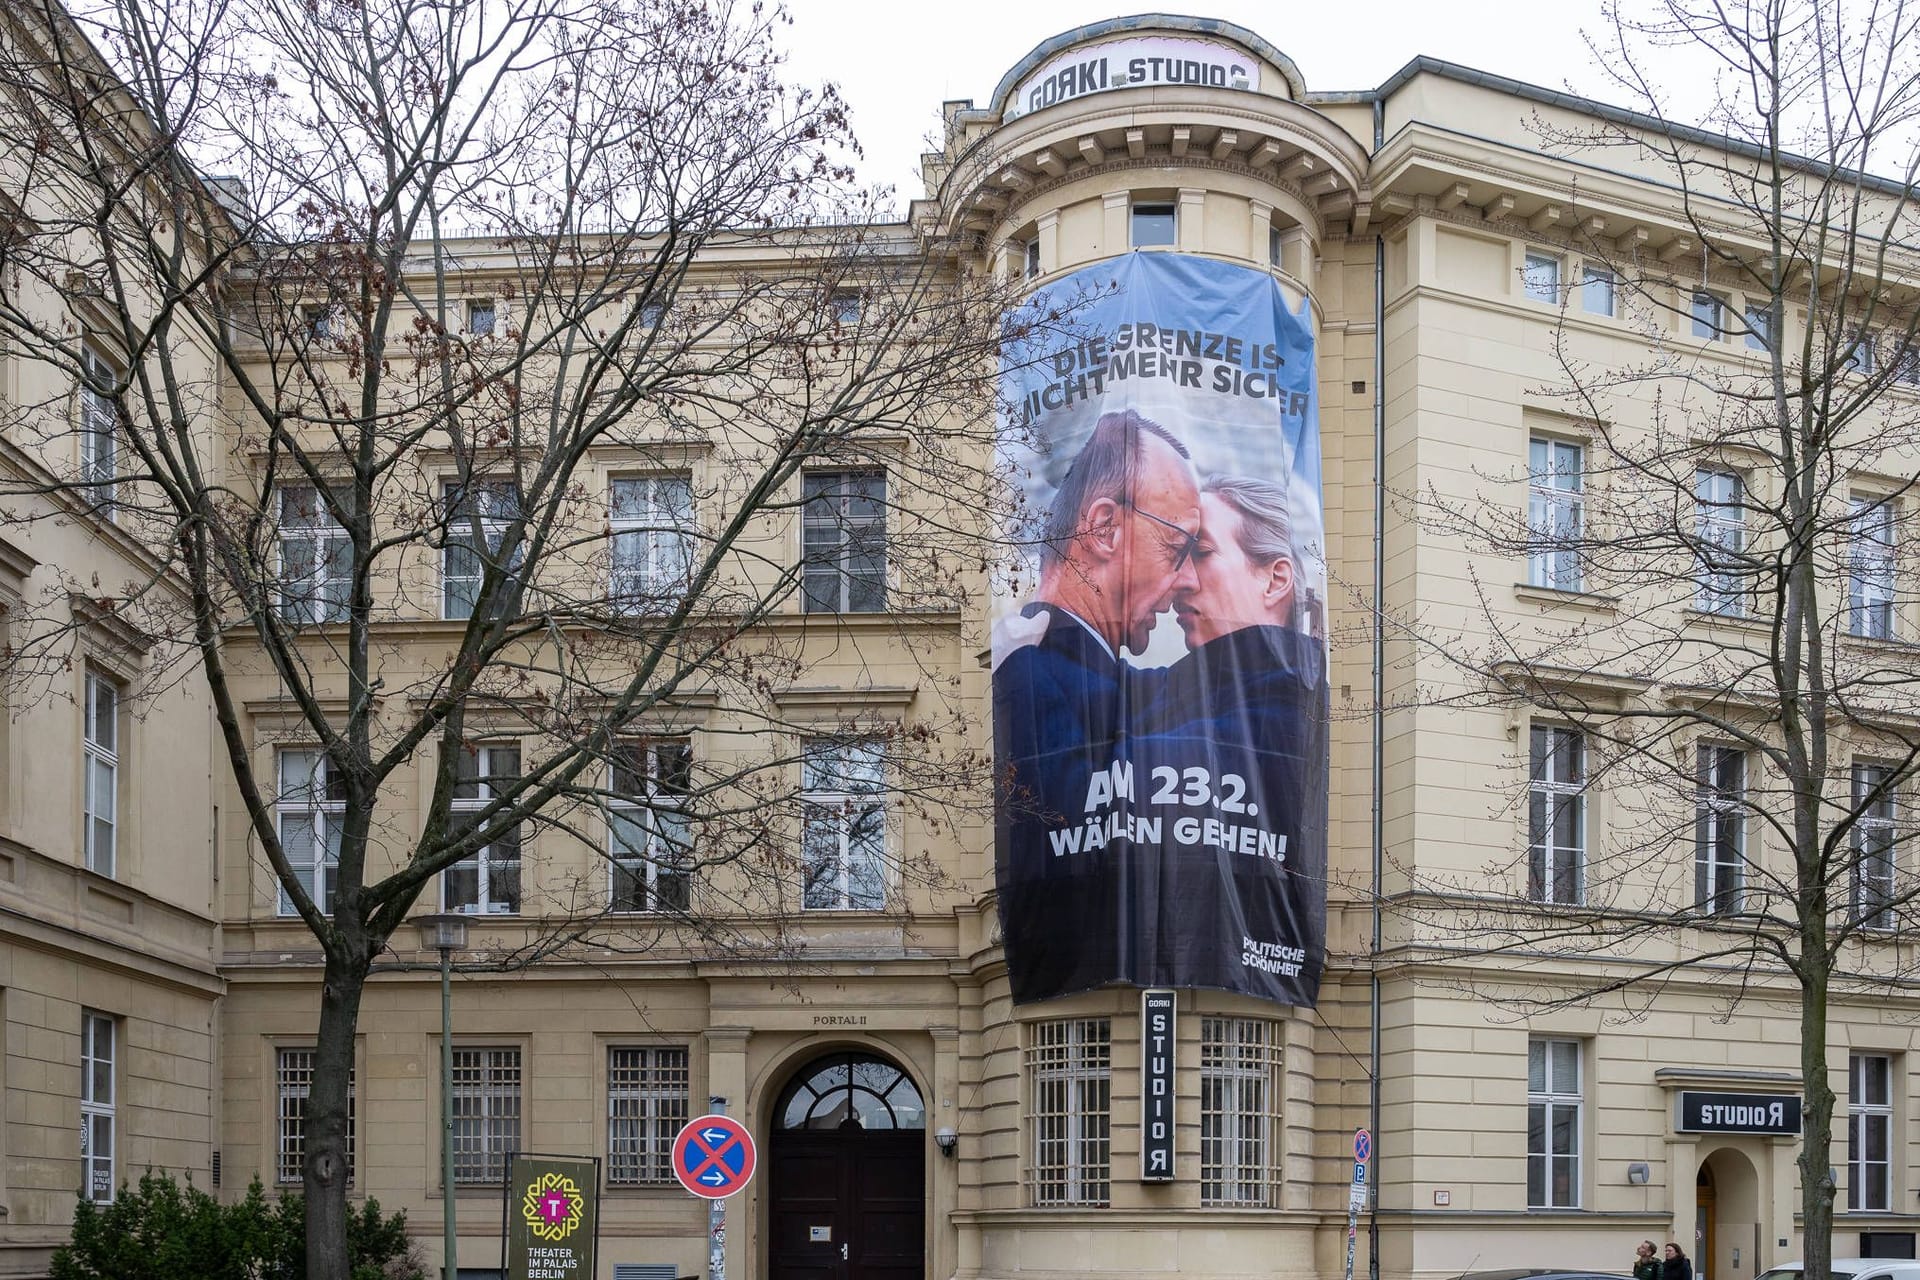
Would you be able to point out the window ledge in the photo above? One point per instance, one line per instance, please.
(1557, 597)
(1707, 618)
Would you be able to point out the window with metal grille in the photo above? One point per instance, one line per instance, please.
(647, 1095)
(1870, 569)
(650, 835)
(1720, 526)
(1553, 1124)
(1556, 813)
(1069, 1071)
(99, 1101)
(1239, 1111)
(1873, 845)
(294, 1073)
(100, 759)
(844, 824)
(486, 1112)
(1869, 1132)
(1719, 829)
(486, 881)
(1556, 505)
(843, 537)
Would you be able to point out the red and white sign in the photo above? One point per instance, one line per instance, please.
(714, 1157)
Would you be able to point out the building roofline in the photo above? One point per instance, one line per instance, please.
(1147, 22)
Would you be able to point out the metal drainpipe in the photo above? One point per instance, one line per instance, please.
(1379, 698)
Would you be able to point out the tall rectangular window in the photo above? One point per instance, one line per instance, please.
(1870, 568)
(1597, 290)
(1069, 1070)
(1720, 525)
(316, 559)
(99, 1099)
(1759, 335)
(1030, 259)
(1719, 828)
(99, 432)
(1708, 312)
(1857, 354)
(100, 752)
(843, 542)
(652, 523)
(1541, 277)
(844, 808)
(311, 804)
(1869, 1132)
(1556, 813)
(647, 1095)
(486, 881)
(1553, 1124)
(1239, 1111)
(1555, 509)
(486, 1113)
(477, 521)
(650, 834)
(1873, 845)
(1154, 224)
(293, 1072)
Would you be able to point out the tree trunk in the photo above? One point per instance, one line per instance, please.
(326, 1173)
(1816, 1145)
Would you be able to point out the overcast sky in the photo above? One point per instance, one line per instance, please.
(897, 63)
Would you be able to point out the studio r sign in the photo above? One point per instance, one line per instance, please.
(1156, 1086)
(1776, 1114)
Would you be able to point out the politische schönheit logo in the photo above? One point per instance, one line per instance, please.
(553, 1207)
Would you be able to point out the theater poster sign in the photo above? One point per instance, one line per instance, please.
(553, 1217)
(1159, 636)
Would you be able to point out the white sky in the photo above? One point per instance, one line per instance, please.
(896, 63)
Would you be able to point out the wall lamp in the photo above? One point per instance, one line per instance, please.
(946, 1140)
(1638, 1172)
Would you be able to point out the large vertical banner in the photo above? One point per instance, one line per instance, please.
(1159, 638)
(553, 1217)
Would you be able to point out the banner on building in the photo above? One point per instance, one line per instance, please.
(1159, 637)
(553, 1217)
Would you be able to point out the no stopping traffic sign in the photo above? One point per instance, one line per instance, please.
(713, 1156)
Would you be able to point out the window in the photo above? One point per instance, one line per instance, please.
(652, 522)
(1541, 277)
(1553, 1124)
(1069, 1067)
(1709, 313)
(480, 313)
(651, 314)
(651, 839)
(844, 306)
(294, 1073)
(1556, 813)
(491, 505)
(1239, 1110)
(1719, 828)
(319, 322)
(1870, 569)
(1720, 525)
(1273, 246)
(1030, 259)
(101, 761)
(843, 541)
(486, 1113)
(1869, 1132)
(647, 1092)
(98, 1094)
(99, 432)
(316, 560)
(1555, 504)
(1873, 844)
(311, 804)
(843, 800)
(1858, 355)
(486, 881)
(1154, 224)
(1759, 335)
(1597, 291)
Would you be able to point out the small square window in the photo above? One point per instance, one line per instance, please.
(1154, 225)
(844, 306)
(651, 314)
(1541, 277)
(480, 317)
(1597, 291)
(319, 322)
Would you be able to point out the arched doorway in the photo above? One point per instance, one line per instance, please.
(847, 1190)
(1726, 1217)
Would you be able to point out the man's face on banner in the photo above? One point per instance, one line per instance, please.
(1161, 536)
(1230, 590)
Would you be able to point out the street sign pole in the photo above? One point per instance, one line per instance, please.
(717, 1217)
(1357, 1193)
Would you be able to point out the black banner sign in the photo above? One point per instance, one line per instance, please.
(553, 1217)
(1156, 1086)
(1774, 1113)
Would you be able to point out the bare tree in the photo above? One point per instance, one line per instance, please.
(1732, 505)
(461, 264)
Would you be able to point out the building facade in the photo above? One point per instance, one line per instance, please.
(160, 1000)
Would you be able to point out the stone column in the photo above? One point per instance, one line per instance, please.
(727, 1078)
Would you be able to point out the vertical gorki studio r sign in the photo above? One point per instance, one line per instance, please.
(1156, 1086)
(552, 1217)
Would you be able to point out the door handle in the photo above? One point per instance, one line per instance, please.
(843, 1251)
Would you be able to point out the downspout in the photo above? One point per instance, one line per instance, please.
(1379, 699)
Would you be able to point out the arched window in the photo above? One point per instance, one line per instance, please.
(854, 1090)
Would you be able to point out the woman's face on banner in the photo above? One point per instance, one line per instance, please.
(1231, 590)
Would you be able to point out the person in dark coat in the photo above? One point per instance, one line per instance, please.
(1674, 1266)
(1646, 1261)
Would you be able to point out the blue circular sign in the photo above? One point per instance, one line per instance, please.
(713, 1157)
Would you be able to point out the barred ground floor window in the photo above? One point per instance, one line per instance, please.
(1239, 1111)
(1069, 1073)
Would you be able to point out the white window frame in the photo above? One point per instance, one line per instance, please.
(99, 433)
(499, 504)
(293, 1084)
(1592, 277)
(652, 526)
(99, 1105)
(1070, 1079)
(1707, 315)
(482, 315)
(1556, 512)
(843, 519)
(1141, 209)
(1720, 528)
(324, 590)
(1555, 1109)
(1240, 1062)
(649, 1096)
(649, 832)
(1719, 828)
(487, 1117)
(1869, 1112)
(1556, 788)
(1875, 846)
(100, 767)
(489, 862)
(1540, 276)
(1871, 567)
(844, 839)
(309, 791)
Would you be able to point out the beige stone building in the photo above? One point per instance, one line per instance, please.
(159, 1006)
